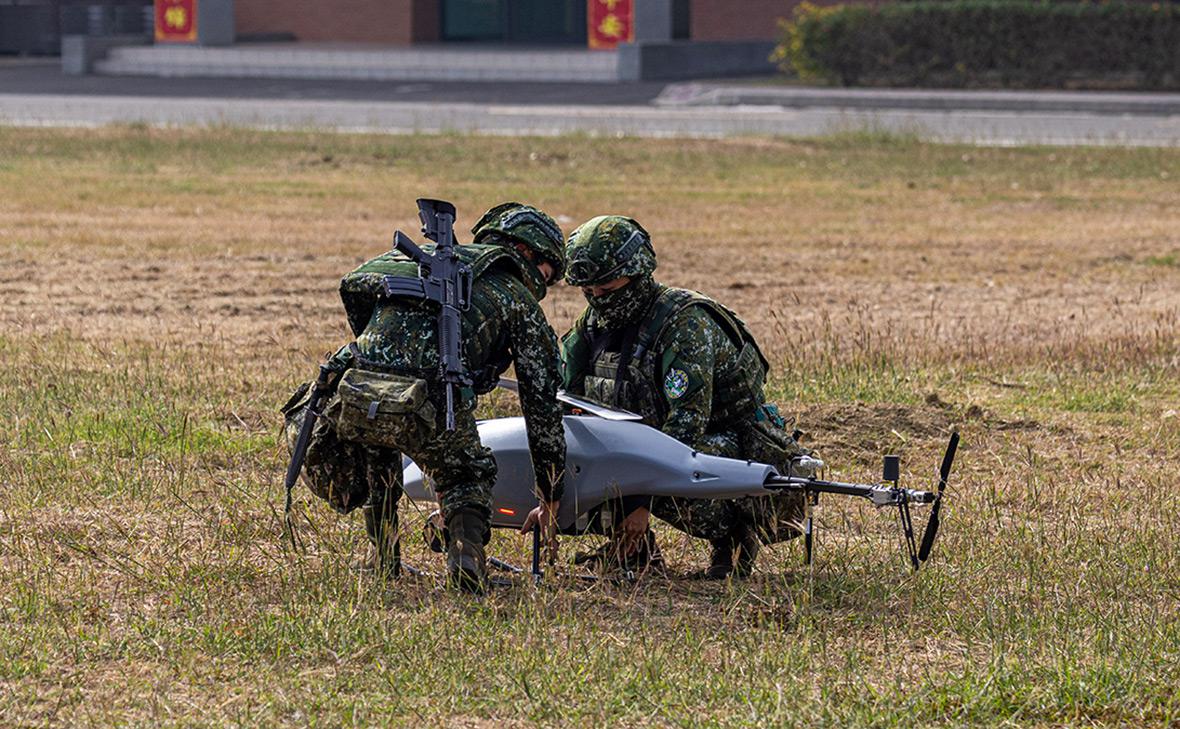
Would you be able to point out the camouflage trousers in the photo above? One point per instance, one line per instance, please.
(349, 475)
(774, 518)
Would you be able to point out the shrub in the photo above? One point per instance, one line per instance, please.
(985, 42)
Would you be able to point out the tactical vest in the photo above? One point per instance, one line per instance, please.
(737, 391)
(363, 289)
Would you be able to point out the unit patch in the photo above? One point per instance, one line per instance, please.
(675, 383)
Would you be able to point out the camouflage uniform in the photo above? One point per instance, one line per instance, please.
(688, 365)
(503, 326)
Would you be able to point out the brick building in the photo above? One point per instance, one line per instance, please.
(527, 22)
(508, 40)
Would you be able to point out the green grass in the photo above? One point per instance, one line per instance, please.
(1170, 260)
(169, 288)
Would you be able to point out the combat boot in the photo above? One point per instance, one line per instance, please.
(647, 555)
(384, 555)
(733, 556)
(610, 556)
(466, 534)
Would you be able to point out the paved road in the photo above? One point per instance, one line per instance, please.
(45, 78)
(502, 108)
(697, 93)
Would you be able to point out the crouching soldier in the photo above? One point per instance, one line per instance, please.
(389, 398)
(690, 367)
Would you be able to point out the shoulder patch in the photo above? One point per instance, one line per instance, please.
(675, 383)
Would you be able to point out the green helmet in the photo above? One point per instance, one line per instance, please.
(607, 247)
(524, 224)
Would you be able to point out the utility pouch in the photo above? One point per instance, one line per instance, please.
(766, 440)
(384, 409)
(333, 470)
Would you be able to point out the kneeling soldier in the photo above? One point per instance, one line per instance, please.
(690, 367)
(393, 369)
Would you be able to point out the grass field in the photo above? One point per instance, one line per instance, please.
(163, 291)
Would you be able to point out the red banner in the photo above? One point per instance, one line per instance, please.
(610, 22)
(176, 21)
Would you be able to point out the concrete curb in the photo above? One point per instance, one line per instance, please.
(1084, 102)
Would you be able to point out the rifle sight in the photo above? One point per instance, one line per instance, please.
(431, 213)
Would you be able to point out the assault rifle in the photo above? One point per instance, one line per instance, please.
(443, 279)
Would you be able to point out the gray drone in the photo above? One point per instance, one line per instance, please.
(610, 455)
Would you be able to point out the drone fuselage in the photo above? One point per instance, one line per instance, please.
(605, 460)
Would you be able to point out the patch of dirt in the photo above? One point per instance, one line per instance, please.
(859, 427)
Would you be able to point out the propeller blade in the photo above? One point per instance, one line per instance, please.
(934, 522)
(931, 532)
(948, 460)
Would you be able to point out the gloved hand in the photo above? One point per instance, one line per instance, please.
(633, 529)
(544, 514)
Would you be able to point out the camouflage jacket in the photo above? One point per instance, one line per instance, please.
(695, 369)
(503, 326)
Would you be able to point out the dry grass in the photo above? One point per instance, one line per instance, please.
(163, 290)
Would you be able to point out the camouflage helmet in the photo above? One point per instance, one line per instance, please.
(607, 247)
(524, 224)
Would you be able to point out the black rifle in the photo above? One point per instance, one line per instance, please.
(443, 279)
(319, 389)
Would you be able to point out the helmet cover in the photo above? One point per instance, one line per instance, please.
(524, 224)
(606, 248)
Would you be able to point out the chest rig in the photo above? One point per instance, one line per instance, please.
(625, 367)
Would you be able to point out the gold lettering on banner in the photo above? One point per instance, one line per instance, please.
(176, 17)
(611, 26)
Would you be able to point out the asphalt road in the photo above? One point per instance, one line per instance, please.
(37, 94)
(44, 77)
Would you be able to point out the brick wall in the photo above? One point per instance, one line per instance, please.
(717, 20)
(364, 21)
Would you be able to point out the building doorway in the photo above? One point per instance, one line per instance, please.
(515, 21)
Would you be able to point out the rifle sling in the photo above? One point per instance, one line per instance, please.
(626, 352)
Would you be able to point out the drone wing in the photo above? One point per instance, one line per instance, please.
(588, 406)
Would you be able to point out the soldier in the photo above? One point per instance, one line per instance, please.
(517, 253)
(690, 367)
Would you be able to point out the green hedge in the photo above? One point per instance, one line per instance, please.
(985, 43)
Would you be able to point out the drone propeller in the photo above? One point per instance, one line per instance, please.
(944, 473)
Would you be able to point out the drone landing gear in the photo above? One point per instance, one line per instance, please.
(810, 501)
(537, 574)
(535, 570)
(891, 473)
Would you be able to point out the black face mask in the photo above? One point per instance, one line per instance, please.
(624, 305)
